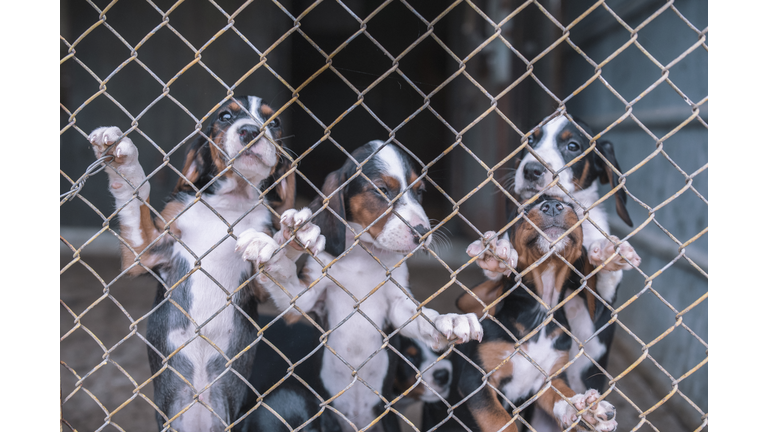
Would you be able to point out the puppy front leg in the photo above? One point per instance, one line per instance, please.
(601, 416)
(260, 248)
(306, 232)
(448, 327)
(610, 275)
(485, 406)
(126, 179)
(498, 260)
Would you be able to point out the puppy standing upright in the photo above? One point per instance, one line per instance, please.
(557, 143)
(519, 366)
(386, 202)
(194, 329)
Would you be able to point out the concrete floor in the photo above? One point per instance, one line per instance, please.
(118, 383)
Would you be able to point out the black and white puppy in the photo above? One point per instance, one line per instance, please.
(420, 361)
(557, 143)
(201, 332)
(359, 284)
(527, 343)
(285, 374)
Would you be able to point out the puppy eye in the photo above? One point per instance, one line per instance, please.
(530, 139)
(275, 123)
(572, 146)
(225, 116)
(384, 190)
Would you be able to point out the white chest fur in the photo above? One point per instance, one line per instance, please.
(216, 271)
(528, 379)
(357, 316)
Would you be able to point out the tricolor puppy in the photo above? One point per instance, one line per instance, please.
(557, 143)
(419, 360)
(515, 375)
(381, 203)
(203, 311)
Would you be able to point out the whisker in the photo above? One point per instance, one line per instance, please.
(440, 241)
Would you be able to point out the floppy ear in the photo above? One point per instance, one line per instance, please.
(283, 196)
(332, 228)
(199, 168)
(592, 303)
(608, 176)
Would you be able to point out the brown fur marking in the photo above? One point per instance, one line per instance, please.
(487, 291)
(492, 418)
(549, 398)
(492, 354)
(584, 172)
(233, 106)
(217, 150)
(524, 233)
(266, 111)
(191, 171)
(148, 234)
(366, 207)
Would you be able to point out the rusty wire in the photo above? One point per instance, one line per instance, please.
(394, 70)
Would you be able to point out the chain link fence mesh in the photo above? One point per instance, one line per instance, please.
(471, 105)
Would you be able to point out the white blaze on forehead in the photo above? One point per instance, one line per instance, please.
(254, 103)
(395, 165)
(546, 149)
(395, 235)
(547, 146)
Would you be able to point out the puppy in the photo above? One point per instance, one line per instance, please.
(557, 143)
(285, 373)
(420, 361)
(359, 284)
(201, 331)
(526, 344)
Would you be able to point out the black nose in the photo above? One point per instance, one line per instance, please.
(442, 376)
(533, 171)
(421, 229)
(248, 133)
(552, 208)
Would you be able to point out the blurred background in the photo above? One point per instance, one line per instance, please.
(650, 55)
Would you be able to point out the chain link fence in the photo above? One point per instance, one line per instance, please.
(457, 85)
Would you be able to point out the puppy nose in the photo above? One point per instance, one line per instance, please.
(552, 208)
(421, 229)
(442, 376)
(533, 171)
(248, 133)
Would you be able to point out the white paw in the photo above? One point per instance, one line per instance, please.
(601, 250)
(461, 328)
(601, 416)
(308, 233)
(500, 257)
(125, 151)
(260, 248)
(256, 246)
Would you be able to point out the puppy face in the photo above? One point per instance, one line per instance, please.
(557, 143)
(371, 201)
(438, 378)
(553, 217)
(234, 127)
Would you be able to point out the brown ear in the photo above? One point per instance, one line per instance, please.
(487, 291)
(607, 175)
(283, 196)
(199, 165)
